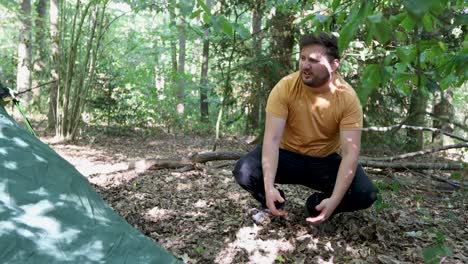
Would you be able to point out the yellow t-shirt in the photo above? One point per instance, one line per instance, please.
(314, 120)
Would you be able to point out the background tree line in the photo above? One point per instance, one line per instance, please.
(207, 66)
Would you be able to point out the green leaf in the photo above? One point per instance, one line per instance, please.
(448, 81)
(280, 259)
(402, 82)
(408, 23)
(400, 36)
(396, 19)
(370, 80)
(434, 253)
(352, 24)
(335, 4)
(186, 7)
(227, 27)
(382, 31)
(418, 8)
(306, 18)
(243, 32)
(427, 23)
(200, 250)
(456, 176)
(206, 18)
(406, 54)
(375, 18)
(196, 14)
(203, 5)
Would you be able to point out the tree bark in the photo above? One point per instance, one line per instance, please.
(204, 107)
(55, 64)
(180, 91)
(418, 103)
(40, 53)
(256, 88)
(79, 89)
(23, 76)
(443, 109)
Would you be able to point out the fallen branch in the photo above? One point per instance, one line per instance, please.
(155, 164)
(453, 183)
(417, 153)
(190, 162)
(434, 130)
(412, 165)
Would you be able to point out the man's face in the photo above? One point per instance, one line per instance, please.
(315, 67)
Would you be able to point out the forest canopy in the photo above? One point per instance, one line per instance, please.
(205, 66)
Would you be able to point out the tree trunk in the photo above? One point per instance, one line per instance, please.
(72, 83)
(444, 110)
(180, 91)
(23, 77)
(40, 54)
(256, 88)
(204, 107)
(79, 89)
(282, 45)
(55, 64)
(418, 103)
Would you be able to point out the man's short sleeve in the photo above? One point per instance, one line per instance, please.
(352, 115)
(277, 101)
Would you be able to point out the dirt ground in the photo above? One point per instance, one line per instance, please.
(202, 216)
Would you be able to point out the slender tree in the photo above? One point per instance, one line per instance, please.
(23, 76)
(55, 63)
(180, 90)
(40, 54)
(256, 88)
(204, 107)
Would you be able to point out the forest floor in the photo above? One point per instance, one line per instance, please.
(202, 215)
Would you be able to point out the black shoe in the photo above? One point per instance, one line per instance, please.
(311, 203)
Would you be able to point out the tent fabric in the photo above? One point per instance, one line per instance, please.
(49, 213)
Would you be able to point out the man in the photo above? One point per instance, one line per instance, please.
(310, 115)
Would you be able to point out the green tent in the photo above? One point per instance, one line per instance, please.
(49, 213)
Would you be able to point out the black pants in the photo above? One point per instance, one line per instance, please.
(315, 172)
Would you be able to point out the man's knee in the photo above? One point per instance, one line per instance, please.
(244, 171)
(368, 198)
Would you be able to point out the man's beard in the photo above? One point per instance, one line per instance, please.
(317, 80)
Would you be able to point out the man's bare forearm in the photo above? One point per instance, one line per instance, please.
(270, 154)
(345, 176)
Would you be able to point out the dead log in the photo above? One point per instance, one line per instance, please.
(197, 158)
(411, 165)
(434, 130)
(156, 164)
(417, 153)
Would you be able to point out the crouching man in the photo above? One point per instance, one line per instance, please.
(311, 116)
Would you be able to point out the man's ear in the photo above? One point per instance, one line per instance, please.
(335, 65)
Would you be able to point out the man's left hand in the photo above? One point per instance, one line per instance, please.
(326, 208)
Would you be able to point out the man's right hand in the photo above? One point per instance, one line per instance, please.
(272, 196)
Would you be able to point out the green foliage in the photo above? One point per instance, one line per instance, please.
(386, 46)
(434, 253)
(380, 204)
(357, 15)
(371, 78)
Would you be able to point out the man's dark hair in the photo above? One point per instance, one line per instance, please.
(328, 41)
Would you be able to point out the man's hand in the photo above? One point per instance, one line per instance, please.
(272, 196)
(326, 208)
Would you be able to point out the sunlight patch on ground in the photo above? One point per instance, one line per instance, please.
(157, 214)
(260, 251)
